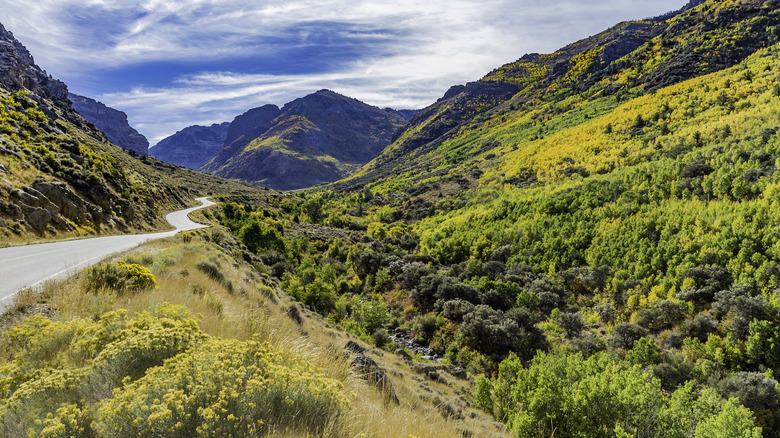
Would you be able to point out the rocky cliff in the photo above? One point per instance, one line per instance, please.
(18, 71)
(318, 138)
(193, 146)
(111, 122)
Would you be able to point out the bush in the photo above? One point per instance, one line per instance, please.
(372, 315)
(215, 273)
(625, 334)
(119, 277)
(156, 374)
(212, 270)
(571, 323)
(380, 338)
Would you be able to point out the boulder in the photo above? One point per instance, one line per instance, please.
(403, 355)
(370, 371)
(354, 347)
(38, 218)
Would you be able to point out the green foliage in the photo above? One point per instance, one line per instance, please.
(118, 276)
(623, 210)
(259, 238)
(372, 315)
(483, 396)
(555, 397)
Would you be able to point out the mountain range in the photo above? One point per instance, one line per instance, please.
(318, 138)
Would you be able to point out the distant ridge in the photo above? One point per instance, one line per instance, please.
(112, 122)
(192, 146)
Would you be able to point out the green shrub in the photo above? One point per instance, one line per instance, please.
(118, 276)
(212, 270)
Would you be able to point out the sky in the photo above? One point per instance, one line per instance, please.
(170, 64)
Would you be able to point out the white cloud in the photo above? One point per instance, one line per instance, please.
(415, 51)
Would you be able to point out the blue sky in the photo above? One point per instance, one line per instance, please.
(173, 63)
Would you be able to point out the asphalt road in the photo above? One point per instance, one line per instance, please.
(29, 266)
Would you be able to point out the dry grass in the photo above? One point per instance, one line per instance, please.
(249, 312)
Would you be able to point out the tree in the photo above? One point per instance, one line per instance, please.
(625, 334)
(571, 323)
(257, 237)
(734, 421)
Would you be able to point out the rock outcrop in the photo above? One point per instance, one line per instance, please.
(193, 146)
(18, 71)
(112, 122)
(370, 371)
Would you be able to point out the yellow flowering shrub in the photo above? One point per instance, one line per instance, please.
(119, 276)
(154, 374)
(224, 388)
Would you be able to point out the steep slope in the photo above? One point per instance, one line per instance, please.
(318, 138)
(243, 129)
(18, 71)
(613, 220)
(111, 122)
(60, 177)
(628, 60)
(193, 146)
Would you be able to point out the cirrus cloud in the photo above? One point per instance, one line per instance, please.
(173, 63)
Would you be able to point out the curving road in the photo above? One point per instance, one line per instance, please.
(29, 266)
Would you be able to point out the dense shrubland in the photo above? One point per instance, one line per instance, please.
(636, 240)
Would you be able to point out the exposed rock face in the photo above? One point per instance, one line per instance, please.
(192, 147)
(314, 139)
(369, 370)
(112, 122)
(18, 71)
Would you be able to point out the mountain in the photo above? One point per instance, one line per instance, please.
(112, 122)
(192, 146)
(318, 138)
(630, 59)
(60, 177)
(243, 129)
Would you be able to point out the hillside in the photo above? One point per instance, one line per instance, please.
(603, 213)
(60, 175)
(629, 60)
(318, 138)
(193, 146)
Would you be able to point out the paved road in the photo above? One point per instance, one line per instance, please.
(29, 266)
